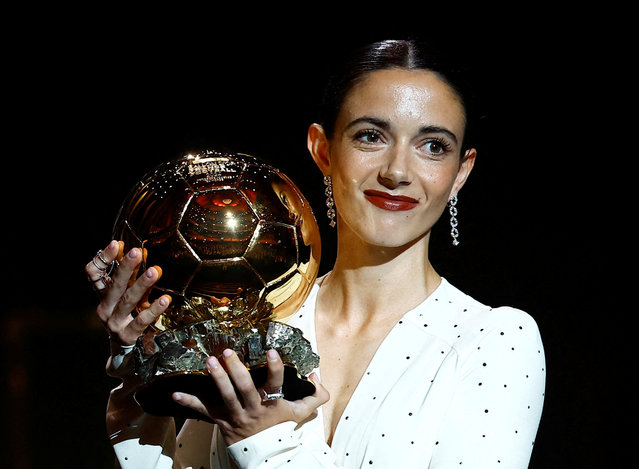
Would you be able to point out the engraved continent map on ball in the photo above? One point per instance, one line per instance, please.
(239, 248)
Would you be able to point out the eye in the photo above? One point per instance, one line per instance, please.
(437, 147)
(369, 136)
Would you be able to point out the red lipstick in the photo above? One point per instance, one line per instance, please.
(387, 201)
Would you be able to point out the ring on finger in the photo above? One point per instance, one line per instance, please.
(266, 396)
(104, 278)
(99, 267)
(108, 267)
(102, 259)
(112, 266)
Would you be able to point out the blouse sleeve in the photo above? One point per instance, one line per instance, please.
(194, 445)
(139, 440)
(283, 446)
(495, 412)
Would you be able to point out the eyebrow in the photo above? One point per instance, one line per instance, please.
(383, 124)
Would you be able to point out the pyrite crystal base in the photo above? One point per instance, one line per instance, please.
(174, 361)
(155, 398)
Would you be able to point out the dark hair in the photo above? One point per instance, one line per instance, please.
(403, 54)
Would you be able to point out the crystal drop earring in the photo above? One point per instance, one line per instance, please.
(452, 209)
(329, 201)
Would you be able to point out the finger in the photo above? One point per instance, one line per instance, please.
(320, 396)
(134, 275)
(121, 277)
(275, 376)
(192, 402)
(96, 267)
(144, 301)
(224, 385)
(120, 251)
(149, 315)
(304, 407)
(320, 391)
(242, 379)
(133, 295)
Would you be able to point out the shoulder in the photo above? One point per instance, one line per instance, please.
(465, 323)
(505, 337)
(502, 321)
(486, 319)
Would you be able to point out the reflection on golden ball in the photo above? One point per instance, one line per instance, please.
(229, 231)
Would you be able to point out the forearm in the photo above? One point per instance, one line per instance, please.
(139, 440)
(283, 446)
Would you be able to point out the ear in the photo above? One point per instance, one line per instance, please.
(465, 168)
(319, 147)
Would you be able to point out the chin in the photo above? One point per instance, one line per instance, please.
(390, 235)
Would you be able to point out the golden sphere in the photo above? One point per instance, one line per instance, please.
(223, 227)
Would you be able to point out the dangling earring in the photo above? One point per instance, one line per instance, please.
(452, 209)
(329, 201)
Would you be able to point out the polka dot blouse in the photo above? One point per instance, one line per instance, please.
(454, 384)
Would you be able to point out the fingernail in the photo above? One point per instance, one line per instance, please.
(133, 253)
(163, 301)
(212, 363)
(177, 396)
(272, 355)
(227, 353)
(149, 273)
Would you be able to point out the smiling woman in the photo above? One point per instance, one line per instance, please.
(397, 135)
(418, 373)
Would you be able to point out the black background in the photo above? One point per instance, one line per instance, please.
(93, 101)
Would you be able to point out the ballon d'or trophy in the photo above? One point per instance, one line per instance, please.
(239, 249)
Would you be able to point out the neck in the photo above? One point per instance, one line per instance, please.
(369, 281)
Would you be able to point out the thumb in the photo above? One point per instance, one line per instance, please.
(308, 405)
(192, 402)
(321, 395)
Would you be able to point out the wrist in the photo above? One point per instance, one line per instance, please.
(120, 363)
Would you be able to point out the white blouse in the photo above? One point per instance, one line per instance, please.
(454, 384)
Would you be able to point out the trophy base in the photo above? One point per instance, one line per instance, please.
(155, 397)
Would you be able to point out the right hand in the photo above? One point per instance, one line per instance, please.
(124, 309)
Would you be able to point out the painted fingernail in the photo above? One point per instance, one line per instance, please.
(272, 355)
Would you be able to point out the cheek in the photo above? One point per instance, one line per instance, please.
(351, 170)
(438, 182)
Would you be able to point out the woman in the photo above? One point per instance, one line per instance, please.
(419, 374)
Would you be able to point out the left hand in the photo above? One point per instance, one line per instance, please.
(244, 412)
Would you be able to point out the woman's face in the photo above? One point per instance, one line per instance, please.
(394, 157)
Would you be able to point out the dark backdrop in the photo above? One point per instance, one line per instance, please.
(92, 105)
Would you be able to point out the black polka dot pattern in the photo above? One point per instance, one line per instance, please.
(454, 384)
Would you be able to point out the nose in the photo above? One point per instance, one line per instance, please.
(395, 171)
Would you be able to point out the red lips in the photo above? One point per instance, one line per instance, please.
(390, 202)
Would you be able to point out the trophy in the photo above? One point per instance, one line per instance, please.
(239, 249)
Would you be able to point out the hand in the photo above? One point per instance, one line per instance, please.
(244, 413)
(124, 308)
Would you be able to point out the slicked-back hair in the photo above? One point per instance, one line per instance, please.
(396, 54)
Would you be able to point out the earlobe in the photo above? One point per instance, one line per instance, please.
(318, 146)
